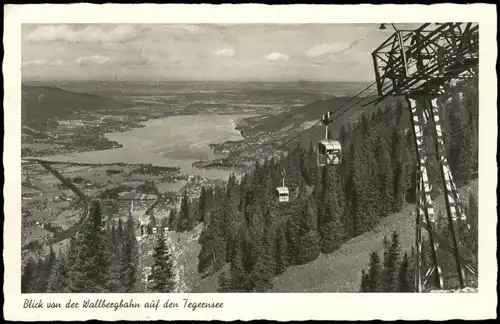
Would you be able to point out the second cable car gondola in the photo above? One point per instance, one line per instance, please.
(328, 151)
(282, 193)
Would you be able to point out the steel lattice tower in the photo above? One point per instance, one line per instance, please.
(421, 65)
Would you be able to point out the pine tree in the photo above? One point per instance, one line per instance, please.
(185, 222)
(129, 260)
(241, 262)
(405, 280)
(40, 280)
(262, 265)
(365, 282)
(46, 266)
(172, 220)
(385, 177)
(111, 250)
(72, 267)
(281, 251)
(224, 282)
(152, 220)
(332, 231)
(212, 255)
(292, 239)
(343, 136)
(58, 281)
(391, 262)
(401, 160)
(119, 233)
(91, 263)
(464, 166)
(374, 273)
(309, 248)
(29, 277)
(161, 279)
(202, 205)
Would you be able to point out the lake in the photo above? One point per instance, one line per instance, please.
(172, 141)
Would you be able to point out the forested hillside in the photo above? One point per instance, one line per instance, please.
(259, 238)
(252, 236)
(42, 104)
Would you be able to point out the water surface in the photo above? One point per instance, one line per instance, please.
(172, 141)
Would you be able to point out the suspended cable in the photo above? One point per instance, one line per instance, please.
(273, 152)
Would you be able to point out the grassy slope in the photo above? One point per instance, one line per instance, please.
(341, 270)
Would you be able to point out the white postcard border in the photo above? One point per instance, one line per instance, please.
(290, 306)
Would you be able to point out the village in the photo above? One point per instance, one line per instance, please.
(51, 209)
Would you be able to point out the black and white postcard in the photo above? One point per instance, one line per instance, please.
(242, 162)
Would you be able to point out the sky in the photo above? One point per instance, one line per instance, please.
(205, 52)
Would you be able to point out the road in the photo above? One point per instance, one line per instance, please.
(83, 197)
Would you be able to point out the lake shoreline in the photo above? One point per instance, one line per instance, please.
(142, 148)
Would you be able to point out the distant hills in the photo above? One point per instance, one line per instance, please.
(42, 103)
(305, 116)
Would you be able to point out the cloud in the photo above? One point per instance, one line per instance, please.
(106, 60)
(326, 49)
(139, 60)
(185, 27)
(224, 52)
(276, 56)
(94, 60)
(42, 62)
(331, 48)
(89, 34)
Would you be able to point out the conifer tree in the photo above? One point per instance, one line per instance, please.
(332, 231)
(224, 282)
(46, 266)
(309, 248)
(374, 273)
(185, 222)
(72, 267)
(391, 262)
(343, 136)
(464, 165)
(241, 262)
(129, 260)
(365, 281)
(152, 220)
(172, 220)
(161, 279)
(292, 239)
(29, 277)
(260, 263)
(212, 255)
(58, 280)
(401, 160)
(405, 281)
(313, 167)
(385, 177)
(119, 232)
(202, 205)
(111, 249)
(91, 263)
(281, 251)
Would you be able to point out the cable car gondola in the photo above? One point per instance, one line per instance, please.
(329, 151)
(282, 193)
